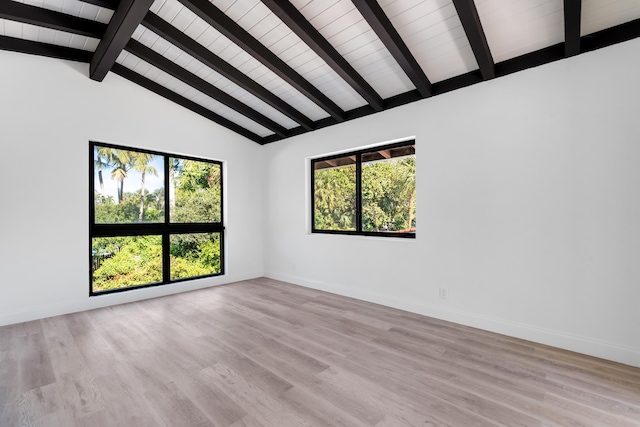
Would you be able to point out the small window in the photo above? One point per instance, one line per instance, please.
(155, 218)
(366, 192)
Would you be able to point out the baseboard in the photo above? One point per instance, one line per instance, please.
(90, 303)
(559, 339)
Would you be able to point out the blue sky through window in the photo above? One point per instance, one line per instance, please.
(132, 181)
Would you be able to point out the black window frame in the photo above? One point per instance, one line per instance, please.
(358, 162)
(164, 229)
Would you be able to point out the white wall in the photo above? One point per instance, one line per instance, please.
(528, 207)
(528, 204)
(49, 111)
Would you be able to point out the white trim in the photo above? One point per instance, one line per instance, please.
(106, 300)
(559, 339)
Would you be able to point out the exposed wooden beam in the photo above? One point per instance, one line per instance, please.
(600, 39)
(225, 25)
(290, 15)
(572, 19)
(124, 22)
(107, 4)
(170, 67)
(530, 60)
(43, 49)
(385, 153)
(380, 23)
(210, 59)
(33, 15)
(468, 15)
(610, 36)
(180, 100)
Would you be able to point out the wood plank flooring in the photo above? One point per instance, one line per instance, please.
(267, 353)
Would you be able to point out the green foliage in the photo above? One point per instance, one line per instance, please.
(195, 254)
(335, 198)
(130, 261)
(108, 246)
(128, 210)
(195, 176)
(200, 206)
(388, 196)
(198, 191)
(182, 269)
(137, 260)
(120, 262)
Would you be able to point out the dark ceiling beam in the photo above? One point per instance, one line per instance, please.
(229, 28)
(180, 100)
(380, 23)
(533, 59)
(610, 36)
(33, 15)
(211, 60)
(107, 4)
(293, 19)
(590, 42)
(43, 49)
(572, 16)
(470, 20)
(170, 67)
(124, 22)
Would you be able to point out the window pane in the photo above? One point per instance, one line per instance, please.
(195, 191)
(128, 186)
(389, 190)
(125, 261)
(195, 254)
(335, 194)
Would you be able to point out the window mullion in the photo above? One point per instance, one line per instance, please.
(313, 196)
(335, 204)
(166, 258)
(167, 191)
(141, 245)
(166, 241)
(359, 192)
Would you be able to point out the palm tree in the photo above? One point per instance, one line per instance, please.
(102, 159)
(140, 162)
(121, 162)
(176, 166)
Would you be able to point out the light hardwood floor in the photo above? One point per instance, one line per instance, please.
(267, 353)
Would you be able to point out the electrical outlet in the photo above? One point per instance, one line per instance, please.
(443, 292)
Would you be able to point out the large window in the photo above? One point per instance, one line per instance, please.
(155, 218)
(366, 192)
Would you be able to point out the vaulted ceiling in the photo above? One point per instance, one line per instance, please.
(271, 69)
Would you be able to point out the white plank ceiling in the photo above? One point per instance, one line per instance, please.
(149, 71)
(189, 63)
(46, 35)
(598, 15)
(434, 34)
(74, 8)
(195, 27)
(344, 27)
(517, 27)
